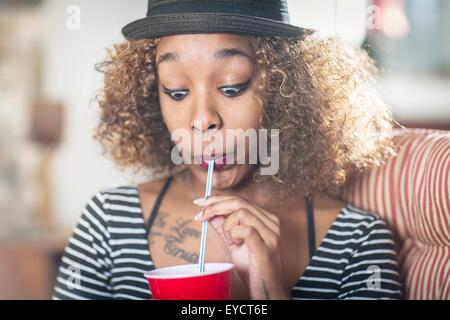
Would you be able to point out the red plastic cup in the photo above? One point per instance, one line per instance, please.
(185, 282)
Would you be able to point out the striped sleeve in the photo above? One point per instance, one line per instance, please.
(372, 271)
(84, 272)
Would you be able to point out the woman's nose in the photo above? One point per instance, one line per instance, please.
(205, 117)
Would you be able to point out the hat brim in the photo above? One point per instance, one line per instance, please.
(184, 23)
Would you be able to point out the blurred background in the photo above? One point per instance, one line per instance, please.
(49, 163)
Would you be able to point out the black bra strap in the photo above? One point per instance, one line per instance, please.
(311, 228)
(155, 208)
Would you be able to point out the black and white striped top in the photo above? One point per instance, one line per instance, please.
(108, 254)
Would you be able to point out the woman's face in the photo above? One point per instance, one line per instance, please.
(206, 87)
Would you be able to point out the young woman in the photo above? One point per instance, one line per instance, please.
(211, 66)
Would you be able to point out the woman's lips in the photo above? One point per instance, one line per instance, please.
(219, 162)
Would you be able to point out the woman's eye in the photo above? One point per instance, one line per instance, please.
(235, 90)
(229, 91)
(176, 95)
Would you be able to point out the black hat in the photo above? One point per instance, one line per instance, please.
(245, 17)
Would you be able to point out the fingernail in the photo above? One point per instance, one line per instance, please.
(199, 200)
(198, 216)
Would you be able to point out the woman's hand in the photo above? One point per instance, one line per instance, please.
(252, 236)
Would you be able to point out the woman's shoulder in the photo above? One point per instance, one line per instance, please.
(112, 202)
(369, 224)
(350, 211)
(129, 191)
(118, 189)
(130, 199)
(371, 271)
(117, 196)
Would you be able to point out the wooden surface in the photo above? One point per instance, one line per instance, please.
(28, 267)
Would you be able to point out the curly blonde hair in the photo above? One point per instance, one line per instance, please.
(319, 92)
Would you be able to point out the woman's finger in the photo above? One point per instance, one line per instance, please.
(204, 202)
(243, 216)
(251, 237)
(226, 206)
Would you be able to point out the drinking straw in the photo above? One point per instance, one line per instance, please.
(201, 259)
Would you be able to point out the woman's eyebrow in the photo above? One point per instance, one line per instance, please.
(221, 54)
(168, 56)
(231, 52)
